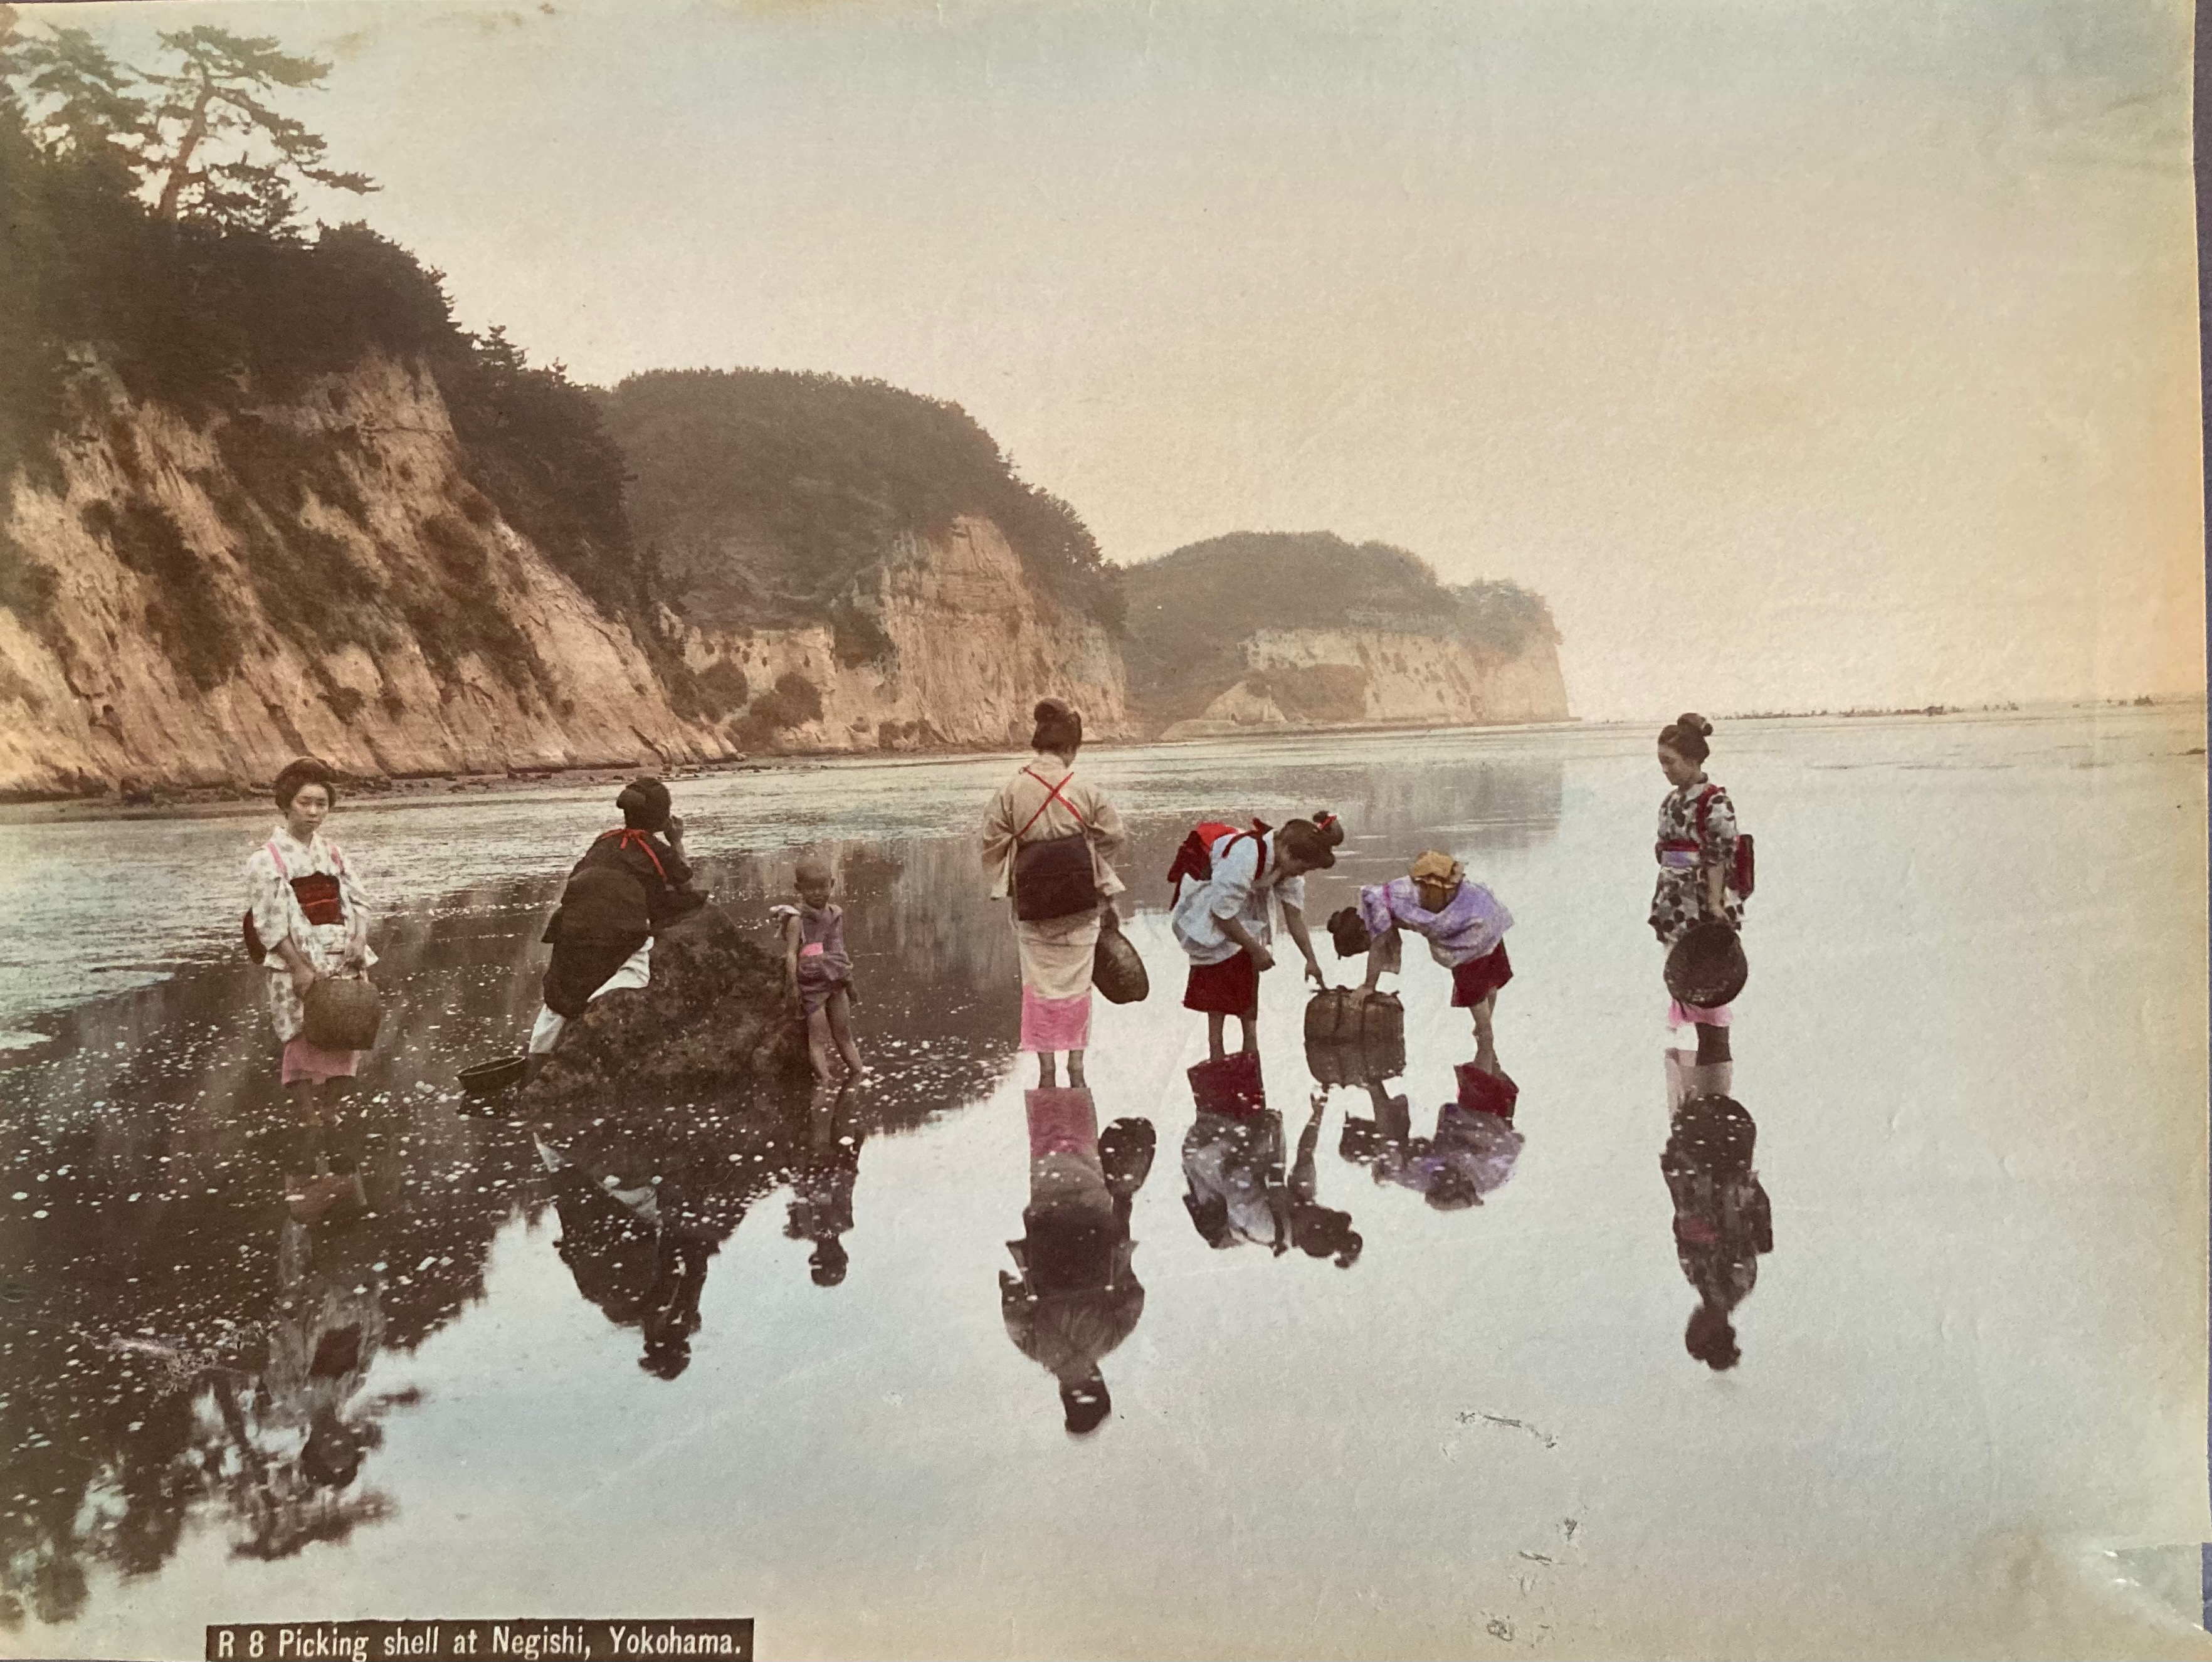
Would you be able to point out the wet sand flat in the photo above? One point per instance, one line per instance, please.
(1972, 1363)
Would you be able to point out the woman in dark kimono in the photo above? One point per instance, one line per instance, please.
(631, 884)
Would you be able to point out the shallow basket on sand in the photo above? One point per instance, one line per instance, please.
(1706, 967)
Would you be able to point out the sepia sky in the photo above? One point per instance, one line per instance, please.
(1801, 354)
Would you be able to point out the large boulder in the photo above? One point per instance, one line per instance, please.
(713, 1015)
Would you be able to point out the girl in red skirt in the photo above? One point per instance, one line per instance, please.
(1465, 927)
(1224, 921)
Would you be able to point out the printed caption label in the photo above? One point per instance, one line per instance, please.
(438, 1640)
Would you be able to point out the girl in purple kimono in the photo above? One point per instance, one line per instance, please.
(1465, 927)
(818, 971)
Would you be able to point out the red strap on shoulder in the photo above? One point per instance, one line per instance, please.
(1051, 796)
(630, 836)
(1705, 807)
(282, 870)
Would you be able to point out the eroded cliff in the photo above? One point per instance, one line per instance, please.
(316, 575)
(971, 644)
(1347, 678)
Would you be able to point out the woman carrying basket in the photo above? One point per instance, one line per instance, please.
(306, 920)
(1704, 871)
(1047, 842)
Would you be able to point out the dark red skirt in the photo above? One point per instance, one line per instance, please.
(1477, 978)
(1231, 987)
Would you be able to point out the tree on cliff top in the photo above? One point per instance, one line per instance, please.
(1190, 611)
(206, 144)
(775, 494)
(220, 152)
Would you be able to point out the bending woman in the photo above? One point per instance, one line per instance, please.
(1696, 850)
(1047, 803)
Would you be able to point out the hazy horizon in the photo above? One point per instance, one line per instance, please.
(1801, 355)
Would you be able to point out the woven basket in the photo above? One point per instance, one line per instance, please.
(343, 1013)
(1116, 968)
(1706, 967)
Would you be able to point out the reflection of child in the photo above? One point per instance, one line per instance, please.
(822, 1195)
(817, 970)
(1464, 925)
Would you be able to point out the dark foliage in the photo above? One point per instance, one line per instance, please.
(185, 612)
(777, 495)
(1190, 610)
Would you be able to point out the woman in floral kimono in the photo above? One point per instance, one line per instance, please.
(1696, 851)
(310, 919)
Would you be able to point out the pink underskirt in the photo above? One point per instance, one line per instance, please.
(1055, 1024)
(313, 1064)
(1061, 1121)
(1680, 1015)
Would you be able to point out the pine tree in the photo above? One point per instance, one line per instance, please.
(219, 152)
(76, 101)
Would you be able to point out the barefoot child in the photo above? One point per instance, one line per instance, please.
(817, 970)
(1222, 922)
(1464, 925)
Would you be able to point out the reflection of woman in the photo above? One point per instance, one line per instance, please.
(1047, 803)
(310, 919)
(1696, 850)
(1723, 1222)
(1077, 1296)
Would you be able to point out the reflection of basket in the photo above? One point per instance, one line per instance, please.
(1116, 969)
(1706, 967)
(489, 1079)
(343, 1013)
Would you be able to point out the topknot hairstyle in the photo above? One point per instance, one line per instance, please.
(1058, 727)
(1686, 734)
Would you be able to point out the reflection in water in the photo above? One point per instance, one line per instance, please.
(1232, 1162)
(209, 1299)
(1471, 1152)
(1723, 1224)
(822, 1195)
(1077, 1296)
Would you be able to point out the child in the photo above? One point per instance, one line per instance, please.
(1465, 927)
(818, 971)
(1222, 923)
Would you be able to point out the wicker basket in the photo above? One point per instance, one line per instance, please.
(343, 1013)
(1707, 968)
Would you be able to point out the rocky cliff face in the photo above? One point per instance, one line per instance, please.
(321, 577)
(1347, 678)
(313, 577)
(973, 646)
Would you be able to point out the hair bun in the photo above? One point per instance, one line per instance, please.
(1696, 722)
(1330, 827)
(1049, 709)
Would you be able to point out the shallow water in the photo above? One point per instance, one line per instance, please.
(1973, 1048)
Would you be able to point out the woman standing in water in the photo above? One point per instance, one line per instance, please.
(311, 919)
(1047, 842)
(1696, 850)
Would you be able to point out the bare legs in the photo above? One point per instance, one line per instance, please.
(831, 1028)
(1049, 1069)
(1216, 1025)
(1485, 1045)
